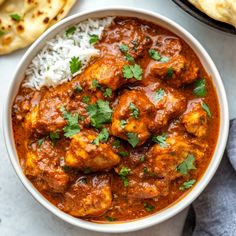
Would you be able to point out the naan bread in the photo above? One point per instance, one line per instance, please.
(35, 17)
(221, 10)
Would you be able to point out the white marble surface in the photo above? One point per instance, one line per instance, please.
(20, 214)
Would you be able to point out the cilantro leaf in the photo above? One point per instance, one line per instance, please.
(93, 39)
(123, 123)
(102, 137)
(95, 84)
(187, 185)
(109, 218)
(54, 136)
(86, 99)
(72, 126)
(170, 72)
(207, 109)
(133, 139)
(159, 95)
(15, 17)
(148, 207)
(116, 143)
(124, 172)
(132, 71)
(134, 110)
(154, 54)
(40, 141)
(100, 113)
(142, 158)
(108, 92)
(200, 88)
(137, 71)
(123, 153)
(75, 65)
(78, 89)
(164, 59)
(124, 48)
(2, 33)
(128, 57)
(187, 165)
(70, 31)
(127, 72)
(160, 139)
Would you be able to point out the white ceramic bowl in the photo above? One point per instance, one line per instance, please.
(208, 65)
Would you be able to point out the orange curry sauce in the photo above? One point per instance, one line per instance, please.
(162, 125)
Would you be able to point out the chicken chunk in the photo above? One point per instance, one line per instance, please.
(47, 116)
(176, 72)
(144, 189)
(165, 159)
(195, 120)
(106, 71)
(89, 196)
(84, 154)
(128, 33)
(134, 114)
(169, 103)
(43, 166)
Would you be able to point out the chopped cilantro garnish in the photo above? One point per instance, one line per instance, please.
(70, 31)
(132, 71)
(109, 218)
(108, 92)
(200, 88)
(207, 109)
(133, 139)
(102, 137)
(78, 89)
(15, 17)
(95, 83)
(100, 113)
(142, 158)
(54, 136)
(187, 185)
(93, 39)
(170, 72)
(116, 143)
(164, 59)
(128, 57)
(148, 207)
(124, 48)
(154, 54)
(134, 110)
(86, 99)
(160, 139)
(123, 153)
(40, 141)
(2, 33)
(123, 123)
(72, 126)
(160, 93)
(187, 165)
(75, 65)
(124, 171)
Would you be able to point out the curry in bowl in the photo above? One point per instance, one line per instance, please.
(120, 131)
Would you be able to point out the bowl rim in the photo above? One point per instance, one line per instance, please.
(163, 214)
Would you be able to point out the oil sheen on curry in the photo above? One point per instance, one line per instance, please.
(128, 136)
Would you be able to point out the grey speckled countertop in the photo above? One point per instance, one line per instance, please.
(20, 214)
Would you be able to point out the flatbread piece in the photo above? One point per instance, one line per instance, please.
(23, 21)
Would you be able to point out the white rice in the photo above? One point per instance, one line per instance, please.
(51, 66)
